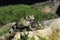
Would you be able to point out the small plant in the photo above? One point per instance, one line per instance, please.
(25, 37)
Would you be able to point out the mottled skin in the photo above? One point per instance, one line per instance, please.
(25, 23)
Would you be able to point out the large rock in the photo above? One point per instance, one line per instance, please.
(17, 36)
(49, 6)
(52, 31)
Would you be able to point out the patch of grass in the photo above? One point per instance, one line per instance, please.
(3, 32)
(49, 16)
(12, 13)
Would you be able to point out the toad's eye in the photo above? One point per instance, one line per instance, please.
(28, 22)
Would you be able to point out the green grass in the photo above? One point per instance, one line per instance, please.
(13, 12)
(3, 32)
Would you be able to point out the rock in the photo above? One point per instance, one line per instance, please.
(42, 33)
(11, 30)
(17, 36)
(7, 26)
(9, 36)
(1, 38)
(49, 6)
(53, 30)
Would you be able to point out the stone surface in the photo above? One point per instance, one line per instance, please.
(17, 36)
(52, 30)
(50, 6)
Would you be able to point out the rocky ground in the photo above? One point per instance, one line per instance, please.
(27, 28)
(49, 30)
